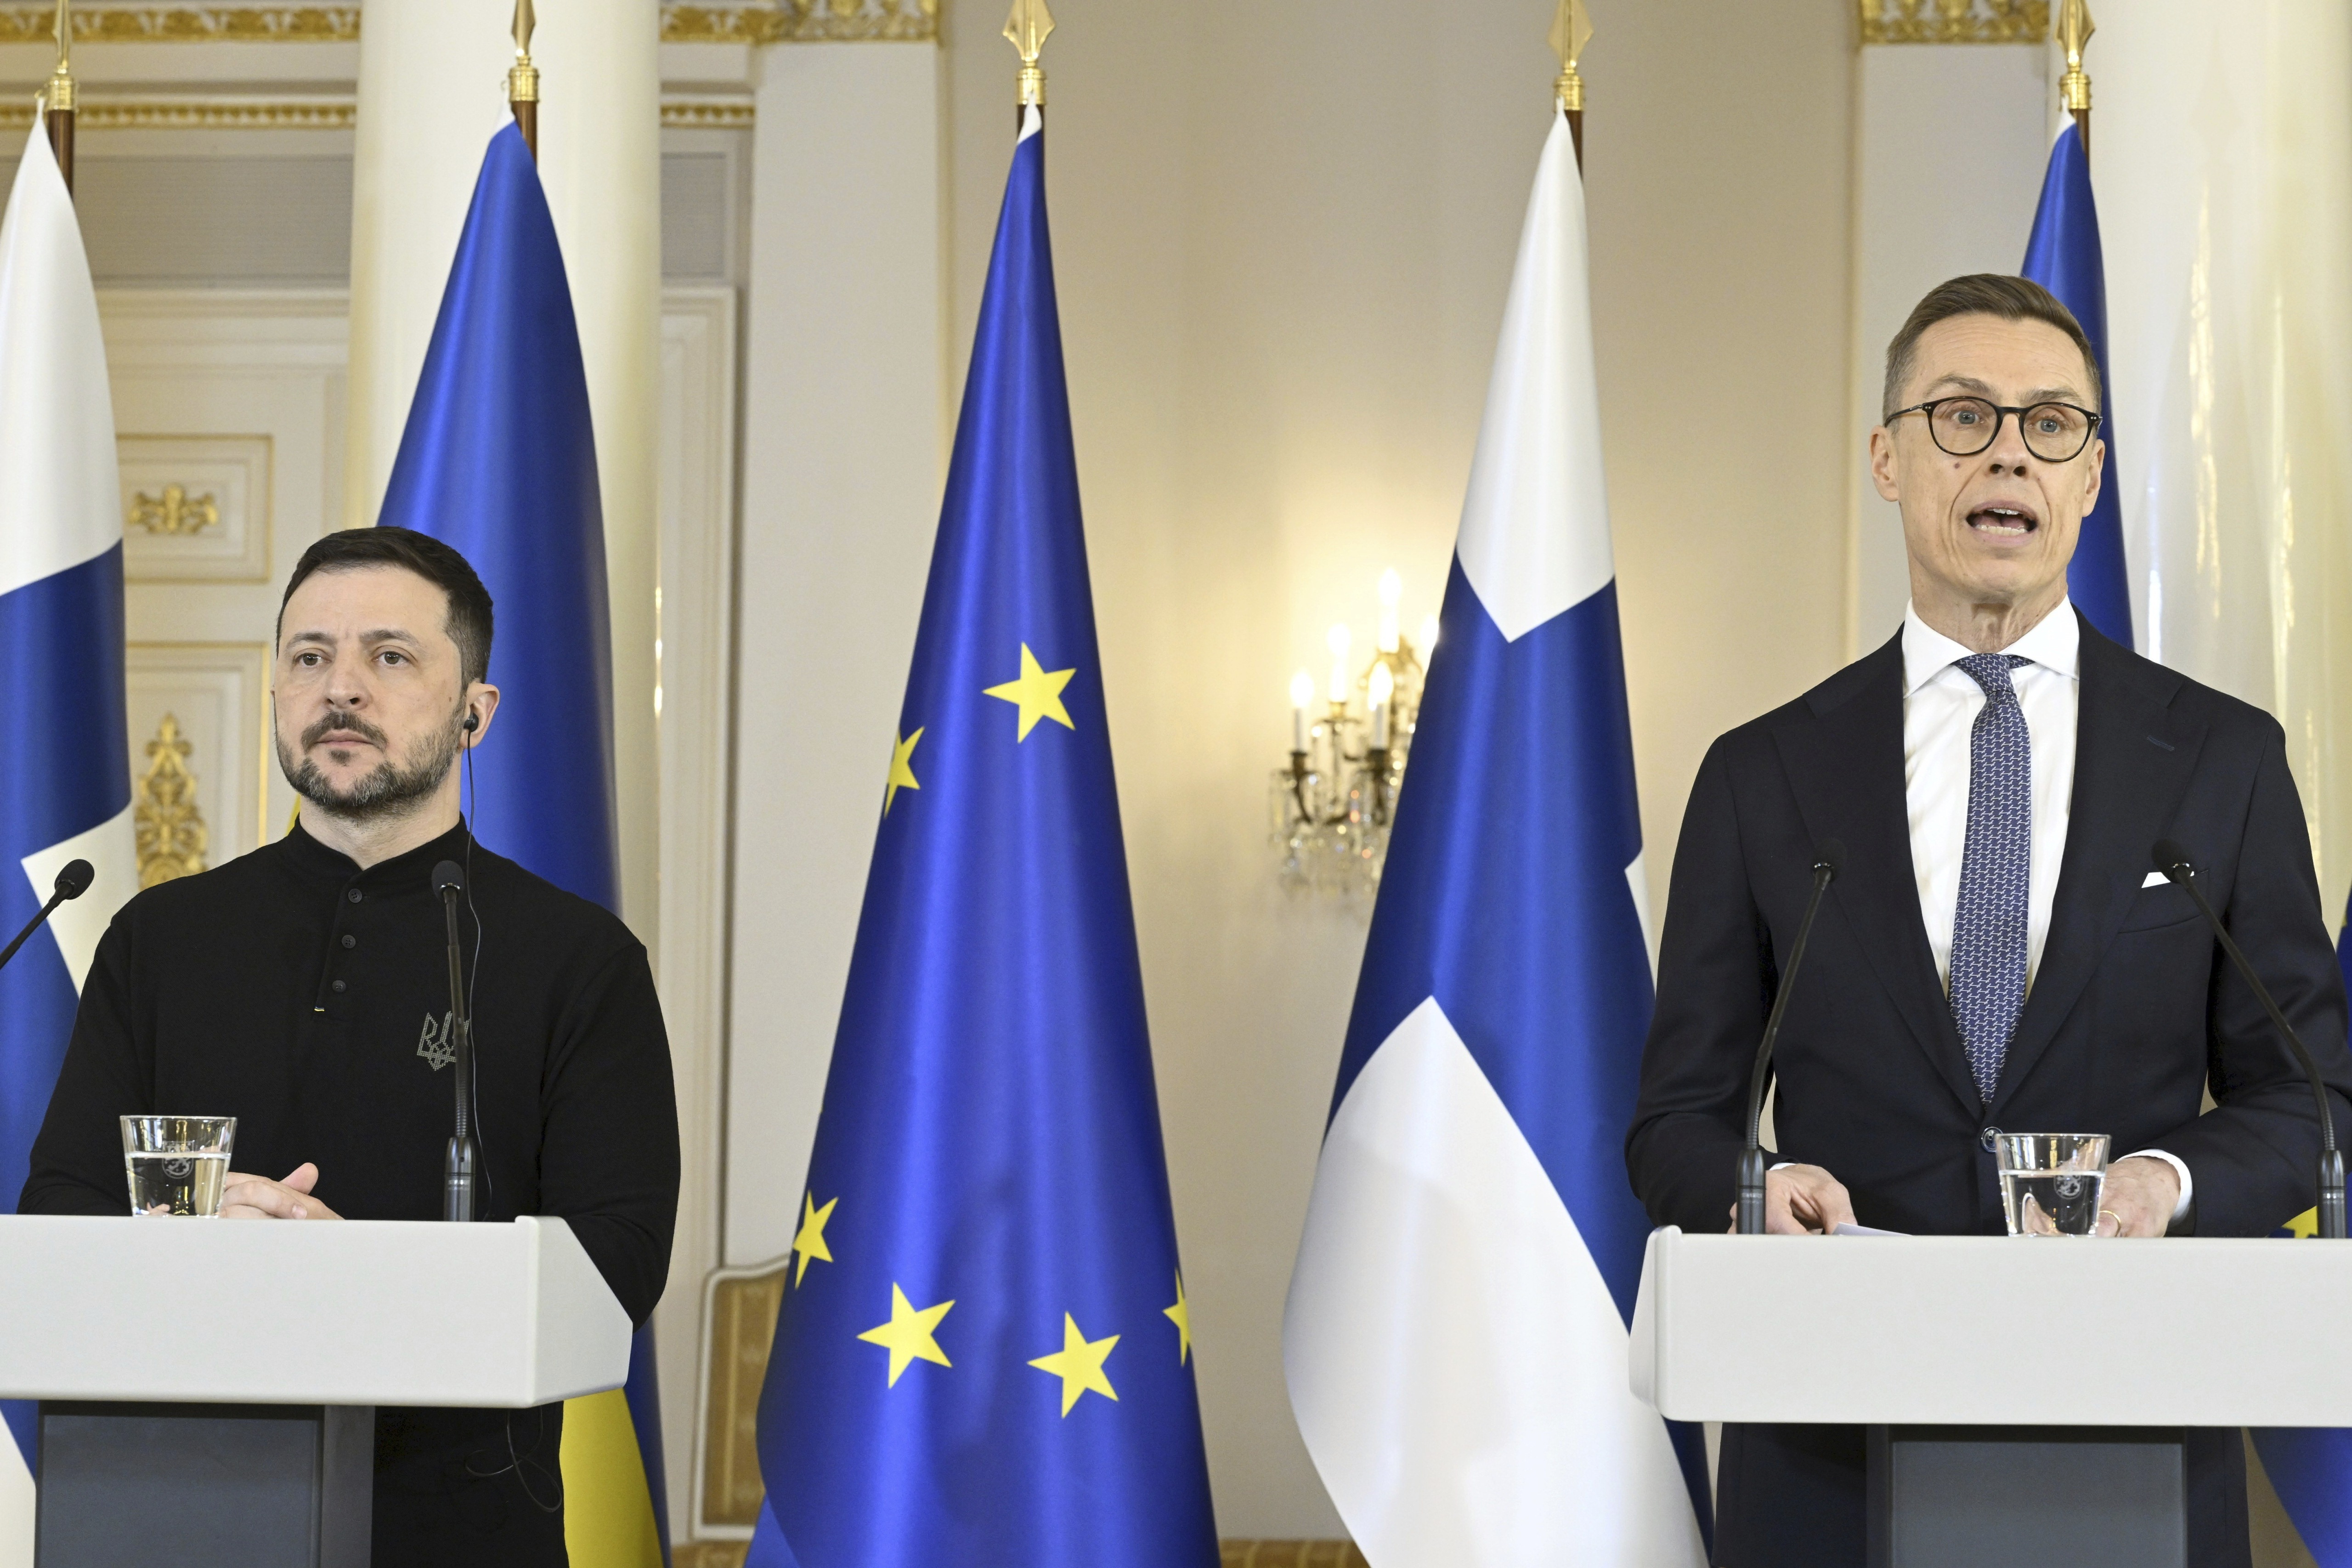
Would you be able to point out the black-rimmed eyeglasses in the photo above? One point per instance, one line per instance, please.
(1964, 427)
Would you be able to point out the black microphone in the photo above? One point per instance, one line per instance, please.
(1827, 860)
(464, 1154)
(71, 883)
(2174, 862)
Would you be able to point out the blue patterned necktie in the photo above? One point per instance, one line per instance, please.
(1996, 869)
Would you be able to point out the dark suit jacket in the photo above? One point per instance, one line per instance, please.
(2134, 1011)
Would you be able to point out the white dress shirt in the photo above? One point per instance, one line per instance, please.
(1940, 704)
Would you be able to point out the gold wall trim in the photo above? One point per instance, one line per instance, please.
(197, 114)
(1954, 21)
(804, 22)
(789, 22)
(188, 25)
(329, 114)
(687, 113)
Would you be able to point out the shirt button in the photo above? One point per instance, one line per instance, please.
(338, 986)
(351, 942)
(1986, 1137)
(353, 895)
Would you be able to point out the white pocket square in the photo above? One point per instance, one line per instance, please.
(2155, 880)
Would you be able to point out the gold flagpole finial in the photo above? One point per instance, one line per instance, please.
(1027, 29)
(1571, 30)
(61, 82)
(522, 80)
(2074, 30)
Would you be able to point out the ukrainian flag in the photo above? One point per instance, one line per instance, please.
(498, 459)
(985, 1354)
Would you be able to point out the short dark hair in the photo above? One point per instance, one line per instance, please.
(1984, 294)
(355, 549)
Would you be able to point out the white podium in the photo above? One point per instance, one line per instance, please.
(2026, 1396)
(211, 1386)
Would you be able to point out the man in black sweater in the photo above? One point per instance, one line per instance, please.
(304, 989)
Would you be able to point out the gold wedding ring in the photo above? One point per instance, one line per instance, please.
(2117, 1217)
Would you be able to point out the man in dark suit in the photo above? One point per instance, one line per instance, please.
(1996, 951)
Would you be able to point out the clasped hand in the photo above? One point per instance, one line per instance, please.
(257, 1197)
(1805, 1200)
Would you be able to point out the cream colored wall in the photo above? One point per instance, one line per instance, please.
(1283, 236)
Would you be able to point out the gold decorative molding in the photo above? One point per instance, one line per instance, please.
(804, 22)
(789, 22)
(708, 114)
(1954, 21)
(742, 1327)
(171, 831)
(198, 114)
(173, 512)
(188, 25)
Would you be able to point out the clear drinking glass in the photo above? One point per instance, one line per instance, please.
(177, 1165)
(2050, 1182)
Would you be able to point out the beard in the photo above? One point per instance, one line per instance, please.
(385, 790)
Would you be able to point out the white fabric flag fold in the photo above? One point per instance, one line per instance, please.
(1455, 1340)
(66, 790)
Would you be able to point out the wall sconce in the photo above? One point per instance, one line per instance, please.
(1331, 806)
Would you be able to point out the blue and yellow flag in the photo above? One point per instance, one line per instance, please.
(984, 1355)
(498, 459)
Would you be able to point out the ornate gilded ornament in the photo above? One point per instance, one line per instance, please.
(210, 25)
(174, 512)
(60, 94)
(804, 22)
(1571, 30)
(2074, 30)
(1954, 21)
(1026, 30)
(171, 840)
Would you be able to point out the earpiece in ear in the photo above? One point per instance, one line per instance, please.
(473, 721)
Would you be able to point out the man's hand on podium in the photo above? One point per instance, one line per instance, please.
(257, 1197)
(2140, 1195)
(1805, 1200)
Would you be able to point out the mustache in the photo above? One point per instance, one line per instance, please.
(339, 719)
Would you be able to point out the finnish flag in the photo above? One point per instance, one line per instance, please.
(65, 771)
(1455, 1340)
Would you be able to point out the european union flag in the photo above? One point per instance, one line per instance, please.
(499, 460)
(984, 1355)
(2062, 255)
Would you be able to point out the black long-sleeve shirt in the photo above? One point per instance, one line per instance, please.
(309, 999)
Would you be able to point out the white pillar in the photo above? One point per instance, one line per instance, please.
(432, 93)
(600, 158)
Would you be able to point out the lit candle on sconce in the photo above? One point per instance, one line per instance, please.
(1337, 641)
(1391, 591)
(1302, 692)
(1383, 688)
(1428, 639)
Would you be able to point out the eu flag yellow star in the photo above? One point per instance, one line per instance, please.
(1179, 1314)
(902, 775)
(810, 1243)
(908, 1335)
(1079, 1364)
(1037, 693)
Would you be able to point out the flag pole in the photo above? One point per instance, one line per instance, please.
(1571, 30)
(1027, 30)
(2074, 29)
(60, 99)
(522, 80)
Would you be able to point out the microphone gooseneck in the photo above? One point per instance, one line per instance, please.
(2173, 861)
(464, 1154)
(1827, 860)
(72, 882)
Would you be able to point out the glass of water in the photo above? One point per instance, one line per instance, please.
(177, 1165)
(2050, 1182)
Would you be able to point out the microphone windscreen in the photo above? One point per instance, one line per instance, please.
(1832, 853)
(448, 879)
(75, 879)
(2170, 858)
